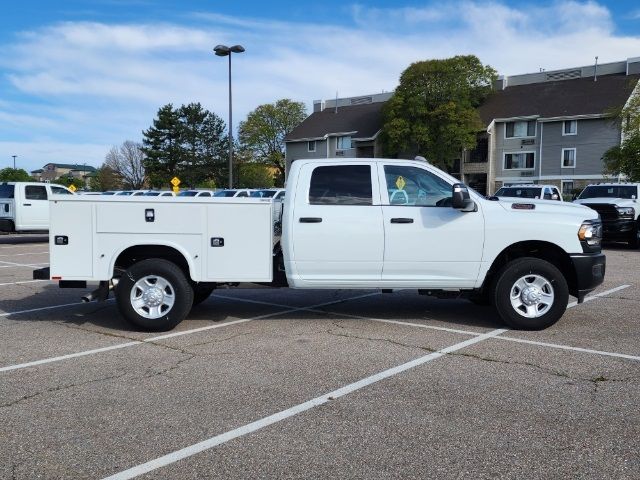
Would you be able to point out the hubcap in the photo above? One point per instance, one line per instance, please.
(532, 296)
(152, 297)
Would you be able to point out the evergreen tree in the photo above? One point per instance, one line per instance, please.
(162, 147)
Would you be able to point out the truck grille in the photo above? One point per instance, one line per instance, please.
(607, 211)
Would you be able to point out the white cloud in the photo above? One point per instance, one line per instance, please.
(99, 84)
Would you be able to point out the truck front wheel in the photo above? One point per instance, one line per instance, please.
(530, 294)
(634, 238)
(154, 294)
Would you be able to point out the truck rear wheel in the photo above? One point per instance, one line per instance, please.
(154, 294)
(634, 239)
(530, 294)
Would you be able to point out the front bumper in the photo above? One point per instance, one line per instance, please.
(618, 229)
(590, 269)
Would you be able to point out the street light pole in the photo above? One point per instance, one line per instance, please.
(14, 161)
(224, 51)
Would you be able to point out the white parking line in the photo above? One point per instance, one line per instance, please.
(22, 264)
(21, 282)
(469, 332)
(295, 410)
(6, 314)
(598, 295)
(156, 338)
(32, 265)
(22, 254)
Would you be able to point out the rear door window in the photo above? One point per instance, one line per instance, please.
(35, 192)
(341, 185)
(6, 191)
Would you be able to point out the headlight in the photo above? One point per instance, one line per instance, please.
(626, 212)
(590, 232)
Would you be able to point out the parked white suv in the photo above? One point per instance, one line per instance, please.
(24, 206)
(544, 192)
(617, 204)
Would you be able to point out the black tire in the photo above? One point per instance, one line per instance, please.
(634, 239)
(178, 289)
(524, 270)
(201, 293)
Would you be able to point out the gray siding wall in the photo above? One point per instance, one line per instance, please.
(513, 145)
(298, 150)
(593, 138)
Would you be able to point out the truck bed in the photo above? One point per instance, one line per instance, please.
(221, 239)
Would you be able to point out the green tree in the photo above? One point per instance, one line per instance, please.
(14, 175)
(625, 158)
(264, 131)
(67, 181)
(254, 175)
(188, 142)
(105, 179)
(433, 112)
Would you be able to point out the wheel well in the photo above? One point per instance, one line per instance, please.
(538, 249)
(137, 253)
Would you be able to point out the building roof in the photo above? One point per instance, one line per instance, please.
(581, 96)
(74, 166)
(362, 121)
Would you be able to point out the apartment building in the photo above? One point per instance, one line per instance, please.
(343, 127)
(545, 127)
(551, 127)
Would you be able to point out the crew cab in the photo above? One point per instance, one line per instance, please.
(344, 226)
(24, 206)
(617, 204)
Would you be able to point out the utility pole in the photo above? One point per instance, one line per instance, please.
(14, 161)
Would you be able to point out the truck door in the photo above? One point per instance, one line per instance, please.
(427, 243)
(337, 229)
(35, 208)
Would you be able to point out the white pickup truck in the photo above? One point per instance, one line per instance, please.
(24, 206)
(346, 224)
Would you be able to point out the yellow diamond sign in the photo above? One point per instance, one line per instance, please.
(400, 183)
(175, 181)
(72, 187)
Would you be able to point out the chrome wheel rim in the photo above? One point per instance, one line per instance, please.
(152, 297)
(532, 296)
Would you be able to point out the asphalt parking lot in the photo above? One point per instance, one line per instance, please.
(262, 383)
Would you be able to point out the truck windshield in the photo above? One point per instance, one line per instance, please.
(520, 192)
(610, 191)
(6, 190)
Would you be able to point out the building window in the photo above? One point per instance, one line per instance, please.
(344, 143)
(311, 146)
(570, 127)
(567, 187)
(519, 161)
(520, 129)
(568, 158)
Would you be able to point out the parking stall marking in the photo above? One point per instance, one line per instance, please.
(22, 254)
(22, 281)
(469, 332)
(32, 265)
(14, 264)
(295, 410)
(156, 338)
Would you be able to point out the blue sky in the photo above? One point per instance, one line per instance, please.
(77, 77)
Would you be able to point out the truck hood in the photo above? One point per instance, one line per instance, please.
(550, 207)
(618, 202)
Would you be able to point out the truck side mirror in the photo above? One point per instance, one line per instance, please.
(460, 196)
